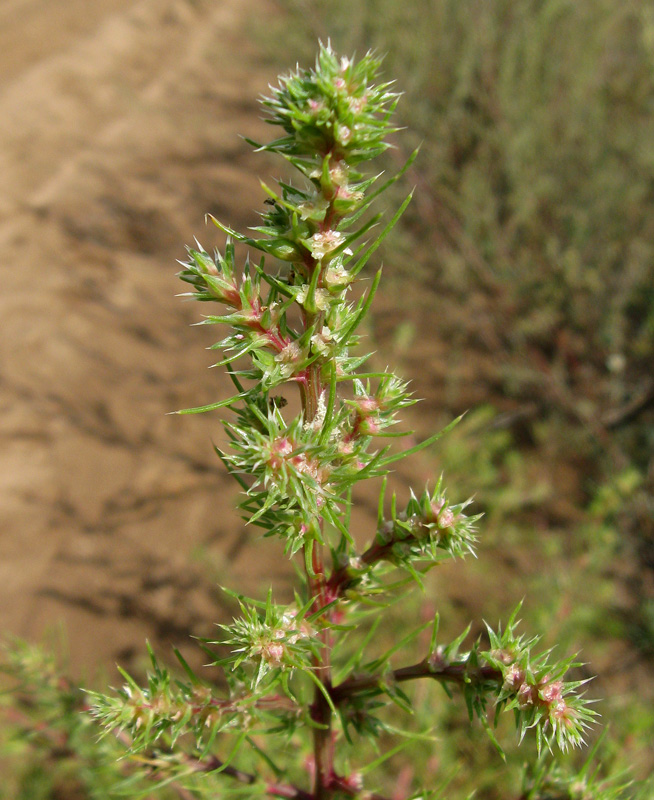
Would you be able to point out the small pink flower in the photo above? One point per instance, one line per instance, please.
(289, 354)
(279, 450)
(369, 426)
(273, 653)
(514, 677)
(336, 277)
(357, 104)
(345, 193)
(368, 405)
(446, 518)
(344, 134)
(345, 448)
(561, 712)
(552, 692)
(353, 782)
(436, 509)
(436, 660)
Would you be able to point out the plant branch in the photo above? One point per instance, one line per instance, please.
(458, 672)
(321, 713)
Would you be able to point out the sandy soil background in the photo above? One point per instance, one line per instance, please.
(120, 129)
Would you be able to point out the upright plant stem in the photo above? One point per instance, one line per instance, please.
(321, 713)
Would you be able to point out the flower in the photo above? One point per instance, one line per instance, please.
(324, 242)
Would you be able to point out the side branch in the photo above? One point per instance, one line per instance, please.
(428, 529)
(341, 579)
(459, 672)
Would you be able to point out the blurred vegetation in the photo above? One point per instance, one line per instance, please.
(49, 750)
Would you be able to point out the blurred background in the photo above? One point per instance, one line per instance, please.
(519, 287)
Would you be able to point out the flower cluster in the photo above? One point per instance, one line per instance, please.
(534, 687)
(335, 109)
(166, 709)
(267, 640)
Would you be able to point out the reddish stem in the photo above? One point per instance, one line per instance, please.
(323, 741)
(459, 672)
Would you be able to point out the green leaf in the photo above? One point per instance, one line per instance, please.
(426, 443)
(364, 259)
(400, 645)
(434, 633)
(210, 406)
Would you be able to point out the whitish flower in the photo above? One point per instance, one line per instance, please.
(320, 297)
(345, 193)
(514, 677)
(321, 342)
(324, 242)
(336, 276)
(288, 358)
(272, 653)
(343, 134)
(338, 173)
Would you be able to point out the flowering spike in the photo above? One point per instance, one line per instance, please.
(297, 668)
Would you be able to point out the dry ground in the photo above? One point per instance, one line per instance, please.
(120, 129)
(121, 125)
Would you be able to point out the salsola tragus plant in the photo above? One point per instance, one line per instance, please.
(303, 685)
